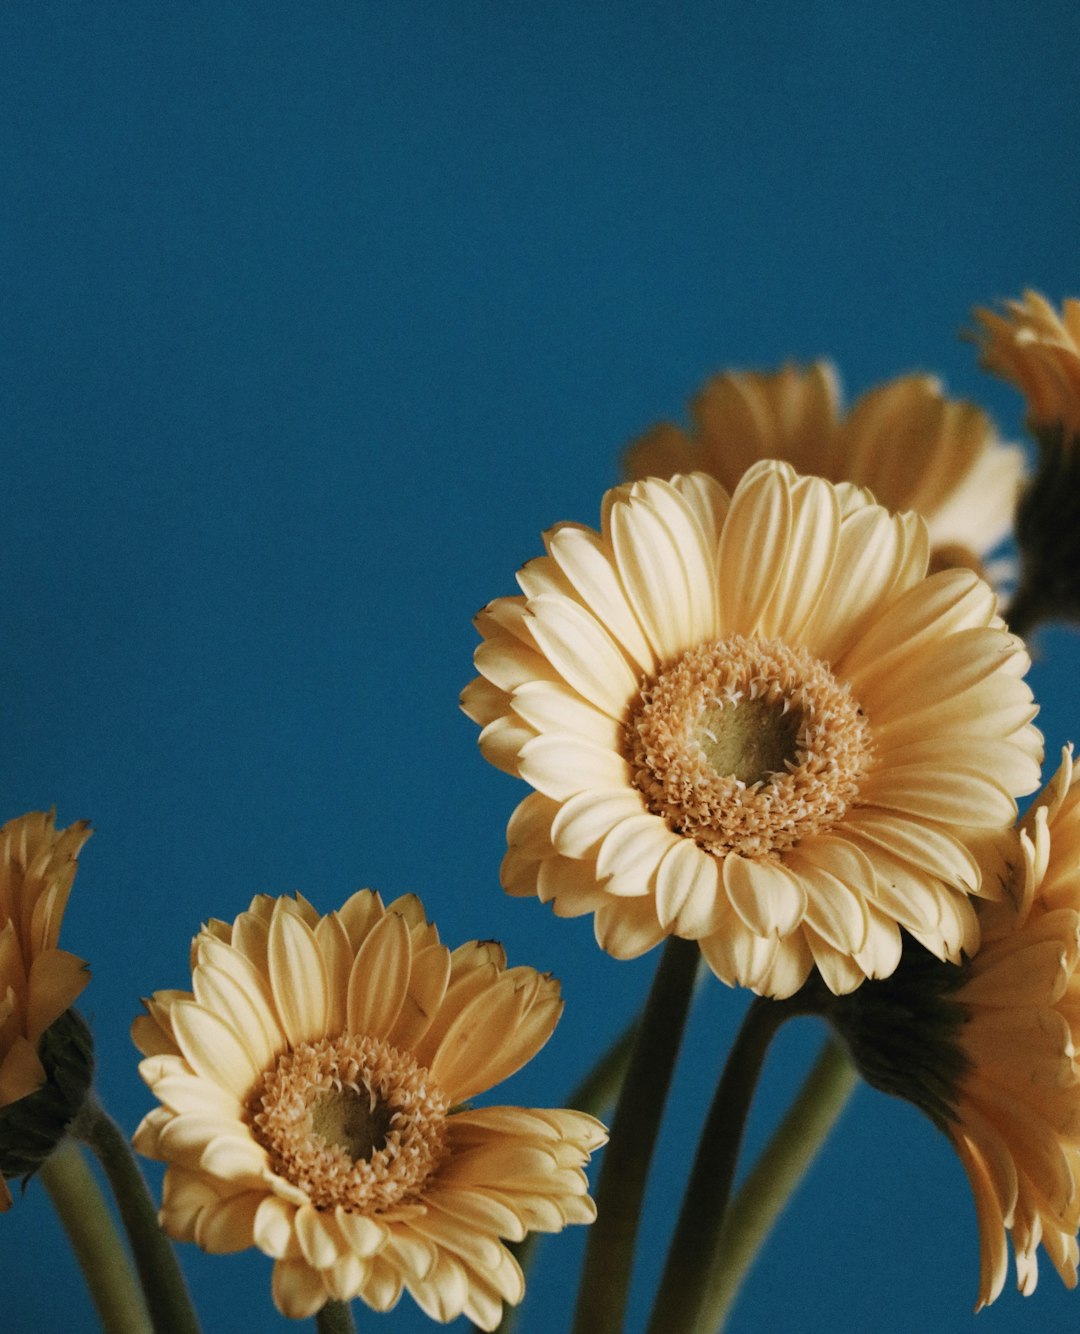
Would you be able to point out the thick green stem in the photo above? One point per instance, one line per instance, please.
(335, 1318)
(94, 1238)
(609, 1253)
(166, 1292)
(784, 1162)
(694, 1254)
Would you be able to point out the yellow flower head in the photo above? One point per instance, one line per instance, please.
(754, 722)
(311, 1088)
(1038, 350)
(38, 982)
(1016, 1122)
(912, 447)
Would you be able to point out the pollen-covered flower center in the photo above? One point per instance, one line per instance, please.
(350, 1120)
(748, 746)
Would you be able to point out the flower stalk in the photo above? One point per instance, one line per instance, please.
(335, 1318)
(695, 1252)
(166, 1292)
(609, 1254)
(98, 1247)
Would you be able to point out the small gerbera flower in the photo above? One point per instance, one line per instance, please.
(1038, 350)
(912, 447)
(313, 1088)
(754, 722)
(38, 981)
(988, 1050)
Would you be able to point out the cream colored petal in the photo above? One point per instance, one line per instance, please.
(880, 955)
(21, 1072)
(628, 928)
(583, 653)
(470, 1050)
(941, 605)
(320, 1239)
(228, 1226)
(502, 741)
(926, 846)
(805, 575)
(666, 571)
(584, 821)
(298, 978)
(789, 969)
(246, 1011)
(561, 767)
(56, 980)
(273, 1229)
(836, 913)
(571, 887)
(739, 957)
(528, 832)
(428, 981)
(753, 546)
(483, 702)
(588, 563)
(443, 1296)
(518, 875)
(547, 707)
(366, 1236)
(839, 971)
(689, 900)
(359, 916)
(708, 502)
(409, 1250)
(298, 1290)
(333, 942)
(962, 796)
(475, 1211)
(635, 848)
(767, 897)
(379, 981)
(147, 1137)
(231, 1158)
(508, 663)
(213, 1049)
(542, 575)
(382, 1287)
(183, 1093)
(874, 551)
(345, 1279)
(184, 1196)
(183, 1139)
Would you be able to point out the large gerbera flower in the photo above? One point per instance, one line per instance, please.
(754, 723)
(988, 1050)
(905, 441)
(312, 1088)
(1039, 351)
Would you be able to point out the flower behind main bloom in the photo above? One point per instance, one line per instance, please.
(1039, 351)
(311, 1088)
(755, 723)
(912, 447)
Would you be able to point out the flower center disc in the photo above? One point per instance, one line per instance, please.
(747, 746)
(352, 1121)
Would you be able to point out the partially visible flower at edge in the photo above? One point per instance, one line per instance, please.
(754, 722)
(1039, 352)
(312, 1088)
(904, 440)
(38, 981)
(989, 1050)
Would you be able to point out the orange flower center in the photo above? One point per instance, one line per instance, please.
(748, 746)
(352, 1121)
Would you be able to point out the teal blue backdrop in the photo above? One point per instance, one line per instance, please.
(313, 316)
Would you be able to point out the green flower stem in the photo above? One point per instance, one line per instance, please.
(335, 1318)
(693, 1257)
(784, 1162)
(609, 1253)
(162, 1282)
(94, 1238)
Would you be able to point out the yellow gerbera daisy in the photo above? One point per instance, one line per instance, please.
(754, 722)
(312, 1087)
(1038, 350)
(912, 447)
(38, 981)
(1016, 1118)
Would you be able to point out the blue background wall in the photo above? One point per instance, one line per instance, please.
(313, 317)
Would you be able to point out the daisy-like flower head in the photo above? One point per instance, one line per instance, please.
(38, 981)
(754, 722)
(311, 1088)
(912, 447)
(1038, 350)
(988, 1050)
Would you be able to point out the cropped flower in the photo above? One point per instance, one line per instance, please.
(754, 722)
(313, 1088)
(989, 1050)
(38, 982)
(1038, 350)
(912, 447)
